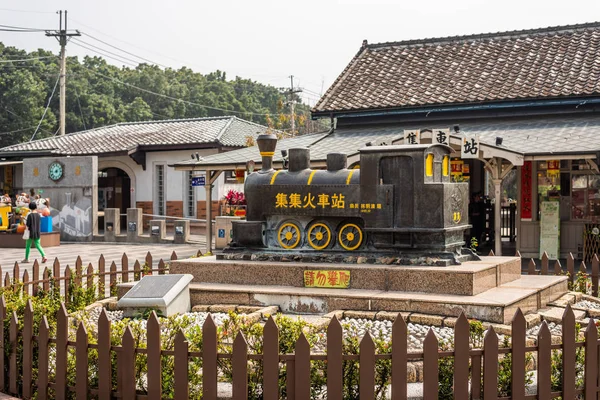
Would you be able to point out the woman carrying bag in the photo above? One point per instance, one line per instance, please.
(33, 233)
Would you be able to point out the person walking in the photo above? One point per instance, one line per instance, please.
(33, 224)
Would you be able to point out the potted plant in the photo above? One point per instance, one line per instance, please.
(235, 203)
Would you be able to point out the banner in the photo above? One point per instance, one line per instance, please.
(550, 229)
(525, 202)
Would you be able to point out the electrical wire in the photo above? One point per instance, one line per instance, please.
(174, 98)
(46, 110)
(124, 51)
(79, 41)
(27, 59)
(23, 28)
(18, 130)
(105, 55)
(27, 11)
(80, 111)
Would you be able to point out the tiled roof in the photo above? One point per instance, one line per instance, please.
(532, 64)
(226, 131)
(540, 136)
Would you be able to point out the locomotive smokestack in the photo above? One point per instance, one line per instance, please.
(299, 159)
(336, 161)
(266, 146)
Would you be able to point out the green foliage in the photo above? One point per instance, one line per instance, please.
(445, 374)
(96, 97)
(582, 283)
(474, 245)
(476, 331)
(505, 371)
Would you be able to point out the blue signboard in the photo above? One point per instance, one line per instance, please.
(198, 181)
(221, 233)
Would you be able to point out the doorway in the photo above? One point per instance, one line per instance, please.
(114, 191)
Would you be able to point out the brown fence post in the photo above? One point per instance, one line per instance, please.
(569, 356)
(16, 272)
(290, 379)
(209, 359)
(81, 363)
(13, 371)
(302, 373)
(518, 254)
(366, 383)
(490, 365)
(531, 268)
(101, 277)
(43, 342)
(62, 336)
(46, 280)
(124, 268)
(78, 269)
(161, 267)
(557, 268)
(7, 282)
(491, 253)
(35, 277)
(56, 274)
(518, 355)
(595, 273)
(113, 278)
(571, 266)
(271, 361)
(461, 357)
(28, 350)
(334, 360)
(126, 367)
(240, 367)
(583, 267)
(181, 367)
(149, 260)
(430, 366)
(2, 340)
(544, 362)
(89, 276)
(154, 358)
(591, 361)
(26, 282)
(67, 292)
(173, 256)
(399, 358)
(1, 283)
(104, 359)
(545, 264)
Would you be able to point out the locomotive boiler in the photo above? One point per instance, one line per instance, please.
(400, 200)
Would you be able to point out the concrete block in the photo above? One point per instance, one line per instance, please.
(182, 231)
(112, 224)
(170, 294)
(424, 319)
(158, 230)
(134, 224)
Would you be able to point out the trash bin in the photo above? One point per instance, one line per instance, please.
(46, 224)
(223, 232)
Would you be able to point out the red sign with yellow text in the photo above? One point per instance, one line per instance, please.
(339, 279)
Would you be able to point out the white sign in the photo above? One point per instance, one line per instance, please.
(470, 147)
(550, 229)
(412, 136)
(440, 136)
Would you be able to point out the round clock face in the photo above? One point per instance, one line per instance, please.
(55, 171)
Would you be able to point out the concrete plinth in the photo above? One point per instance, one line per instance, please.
(112, 224)
(134, 224)
(158, 230)
(182, 231)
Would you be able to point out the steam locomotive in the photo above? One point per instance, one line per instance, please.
(401, 199)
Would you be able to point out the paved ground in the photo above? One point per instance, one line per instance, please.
(90, 253)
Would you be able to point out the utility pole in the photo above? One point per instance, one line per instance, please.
(292, 103)
(62, 36)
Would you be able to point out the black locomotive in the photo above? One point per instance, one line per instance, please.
(400, 200)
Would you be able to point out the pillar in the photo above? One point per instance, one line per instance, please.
(209, 234)
(182, 231)
(497, 216)
(112, 224)
(158, 230)
(134, 224)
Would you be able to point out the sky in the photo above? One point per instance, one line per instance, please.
(267, 41)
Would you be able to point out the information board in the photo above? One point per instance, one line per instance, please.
(550, 229)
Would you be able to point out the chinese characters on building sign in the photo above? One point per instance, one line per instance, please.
(327, 279)
(470, 147)
(412, 136)
(441, 136)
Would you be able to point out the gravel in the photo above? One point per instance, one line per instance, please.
(586, 304)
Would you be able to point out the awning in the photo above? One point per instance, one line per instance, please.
(6, 163)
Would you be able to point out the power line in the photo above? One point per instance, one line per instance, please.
(79, 42)
(26, 59)
(173, 98)
(124, 51)
(27, 11)
(18, 130)
(105, 55)
(47, 106)
(24, 28)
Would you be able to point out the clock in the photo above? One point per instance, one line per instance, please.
(56, 171)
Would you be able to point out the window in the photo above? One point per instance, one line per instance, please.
(585, 196)
(190, 196)
(160, 189)
(230, 177)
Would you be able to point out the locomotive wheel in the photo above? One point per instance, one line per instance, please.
(319, 236)
(289, 235)
(350, 237)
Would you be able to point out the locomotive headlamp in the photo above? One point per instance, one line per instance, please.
(498, 141)
(456, 128)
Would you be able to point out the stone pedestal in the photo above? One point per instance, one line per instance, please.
(112, 224)
(223, 231)
(182, 231)
(158, 230)
(134, 224)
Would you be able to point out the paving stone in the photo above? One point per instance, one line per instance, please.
(555, 314)
(247, 309)
(268, 311)
(391, 315)
(223, 308)
(360, 314)
(200, 308)
(532, 320)
(338, 313)
(498, 328)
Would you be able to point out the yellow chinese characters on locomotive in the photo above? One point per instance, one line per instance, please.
(401, 198)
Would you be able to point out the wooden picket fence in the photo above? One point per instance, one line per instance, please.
(101, 277)
(475, 370)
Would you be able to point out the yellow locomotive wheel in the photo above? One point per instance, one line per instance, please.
(319, 236)
(350, 237)
(289, 235)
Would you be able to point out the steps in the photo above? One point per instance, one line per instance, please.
(491, 289)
